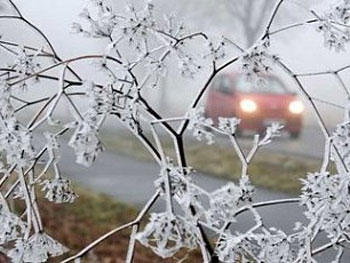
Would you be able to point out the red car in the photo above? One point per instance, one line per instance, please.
(231, 95)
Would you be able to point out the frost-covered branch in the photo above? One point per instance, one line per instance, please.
(140, 49)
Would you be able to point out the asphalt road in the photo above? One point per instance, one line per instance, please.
(131, 181)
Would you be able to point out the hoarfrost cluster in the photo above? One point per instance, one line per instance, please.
(166, 234)
(335, 26)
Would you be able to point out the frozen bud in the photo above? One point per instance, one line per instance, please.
(38, 248)
(59, 191)
(86, 144)
(200, 125)
(11, 227)
(228, 125)
(166, 234)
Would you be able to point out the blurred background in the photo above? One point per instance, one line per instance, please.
(241, 21)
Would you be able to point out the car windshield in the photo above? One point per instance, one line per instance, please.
(272, 85)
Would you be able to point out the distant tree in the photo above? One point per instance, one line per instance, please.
(245, 16)
(249, 16)
(244, 19)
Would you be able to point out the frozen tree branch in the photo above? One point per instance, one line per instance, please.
(152, 44)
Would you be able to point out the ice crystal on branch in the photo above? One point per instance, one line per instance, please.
(38, 248)
(272, 131)
(11, 227)
(225, 201)
(247, 188)
(341, 140)
(173, 27)
(59, 191)
(180, 185)
(85, 143)
(335, 26)
(16, 141)
(138, 25)
(131, 25)
(156, 69)
(216, 50)
(26, 63)
(274, 246)
(53, 147)
(174, 175)
(269, 245)
(166, 234)
(228, 125)
(6, 108)
(230, 248)
(100, 99)
(130, 113)
(327, 200)
(188, 67)
(200, 125)
(101, 23)
(257, 63)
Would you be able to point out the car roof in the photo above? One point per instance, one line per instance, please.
(234, 75)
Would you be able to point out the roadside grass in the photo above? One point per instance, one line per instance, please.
(91, 215)
(279, 172)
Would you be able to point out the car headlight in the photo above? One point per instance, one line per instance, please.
(296, 107)
(248, 105)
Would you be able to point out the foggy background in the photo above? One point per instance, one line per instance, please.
(301, 49)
